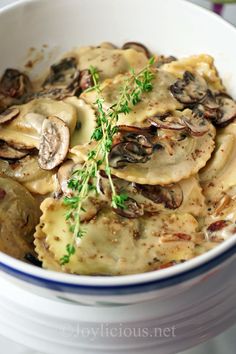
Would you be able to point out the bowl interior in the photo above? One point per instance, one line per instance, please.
(169, 27)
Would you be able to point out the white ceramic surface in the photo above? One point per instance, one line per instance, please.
(45, 326)
(198, 297)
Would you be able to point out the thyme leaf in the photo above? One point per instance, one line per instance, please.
(85, 180)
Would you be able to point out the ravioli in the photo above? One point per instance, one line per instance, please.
(157, 102)
(201, 64)
(138, 151)
(19, 216)
(220, 174)
(86, 121)
(188, 156)
(108, 61)
(24, 130)
(27, 172)
(44, 255)
(127, 246)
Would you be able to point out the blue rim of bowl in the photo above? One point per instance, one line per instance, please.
(122, 289)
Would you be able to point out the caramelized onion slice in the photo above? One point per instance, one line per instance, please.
(170, 196)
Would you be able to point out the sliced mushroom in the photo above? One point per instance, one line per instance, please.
(167, 122)
(195, 126)
(86, 80)
(210, 105)
(170, 196)
(54, 143)
(15, 84)
(146, 137)
(128, 152)
(190, 123)
(132, 209)
(227, 110)
(62, 73)
(8, 152)
(64, 174)
(9, 114)
(162, 59)
(139, 47)
(190, 89)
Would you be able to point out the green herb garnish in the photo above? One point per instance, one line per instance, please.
(70, 249)
(84, 181)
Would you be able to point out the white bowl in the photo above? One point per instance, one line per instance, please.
(198, 296)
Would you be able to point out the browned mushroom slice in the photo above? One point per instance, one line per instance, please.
(8, 152)
(227, 110)
(131, 210)
(192, 124)
(54, 143)
(64, 174)
(9, 114)
(167, 122)
(146, 137)
(208, 107)
(139, 47)
(15, 84)
(190, 89)
(128, 152)
(170, 196)
(195, 126)
(210, 104)
(62, 73)
(86, 80)
(162, 59)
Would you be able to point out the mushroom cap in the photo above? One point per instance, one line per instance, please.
(54, 143)
(126, 246)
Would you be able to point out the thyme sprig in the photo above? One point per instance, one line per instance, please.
(84, 181)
